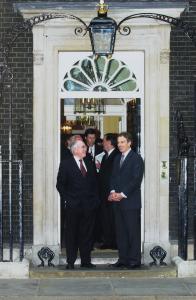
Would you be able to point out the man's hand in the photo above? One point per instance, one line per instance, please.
(115, 197)
(110, 197)
(98, 165)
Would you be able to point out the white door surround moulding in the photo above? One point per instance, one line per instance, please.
(48, 39)
(116, 10)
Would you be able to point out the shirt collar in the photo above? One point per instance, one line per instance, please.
(77, 158)
(126, 153)
(92, 147)
(111, 150)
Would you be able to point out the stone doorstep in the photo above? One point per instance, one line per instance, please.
(15, 269)
(102, 271)
(99, 298)
(95, 260)
(185, 268)
(99, 257)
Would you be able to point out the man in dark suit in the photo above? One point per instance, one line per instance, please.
(105, 172)
(92, 148)
(126, 197)
(66, 153)
(65, 150)
(77, 185)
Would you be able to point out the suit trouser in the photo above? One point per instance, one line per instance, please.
(107, 222)
(128, 234)
(79, 234)
(63, 237)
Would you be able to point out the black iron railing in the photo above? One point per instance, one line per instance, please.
(183, 158)
(11, 218)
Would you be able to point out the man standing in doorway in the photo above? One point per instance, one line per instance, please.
(126, 196)
(105, 172)
(92, 151)
(77, 185)
(66, 153)
(92, 148)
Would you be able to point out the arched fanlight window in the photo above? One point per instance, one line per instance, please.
(100, 74)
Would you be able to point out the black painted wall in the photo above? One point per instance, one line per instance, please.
(182, 89)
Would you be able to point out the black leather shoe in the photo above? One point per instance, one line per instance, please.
(69, 266)
(118, 264)
(107, 246)
(133, 266)
(88, 266)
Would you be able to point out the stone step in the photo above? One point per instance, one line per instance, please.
(99, 257)
(103, 271)
(121, 297)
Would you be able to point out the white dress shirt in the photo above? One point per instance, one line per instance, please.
(91, 150)
(77, 159)
(126, 153)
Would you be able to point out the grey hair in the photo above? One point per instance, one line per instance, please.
(74, 145)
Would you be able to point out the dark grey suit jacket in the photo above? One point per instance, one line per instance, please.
(104, 175)
(75, 190)
(127, 180)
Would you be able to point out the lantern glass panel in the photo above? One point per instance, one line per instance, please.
(102, 40)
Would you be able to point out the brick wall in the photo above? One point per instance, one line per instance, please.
(182, 98)
(182, 83)
(21, 63)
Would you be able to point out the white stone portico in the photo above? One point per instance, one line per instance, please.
(147, 35)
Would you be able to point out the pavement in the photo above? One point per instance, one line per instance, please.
(101, 288)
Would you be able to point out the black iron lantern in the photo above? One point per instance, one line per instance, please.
(102, 31)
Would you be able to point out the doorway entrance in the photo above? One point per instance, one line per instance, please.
(105, 94)
(104, 115)
(118, 115)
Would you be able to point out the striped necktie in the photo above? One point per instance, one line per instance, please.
(82, 168)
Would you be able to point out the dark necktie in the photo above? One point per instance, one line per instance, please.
(91, 152)
(106, 155)
(82, 168)
(122, 160)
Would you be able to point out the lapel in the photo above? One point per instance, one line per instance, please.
(87, 164)
(76, 168)
(106, 161)
(118, 162)
(104, 158)
(114, 153)
(95, 150)
(125, 160)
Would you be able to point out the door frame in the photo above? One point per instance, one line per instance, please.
(48, 40)
(124, 56)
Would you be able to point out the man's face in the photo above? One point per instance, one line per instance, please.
(80, 150)
(90, 139)
(107, 146)
(123, 144)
